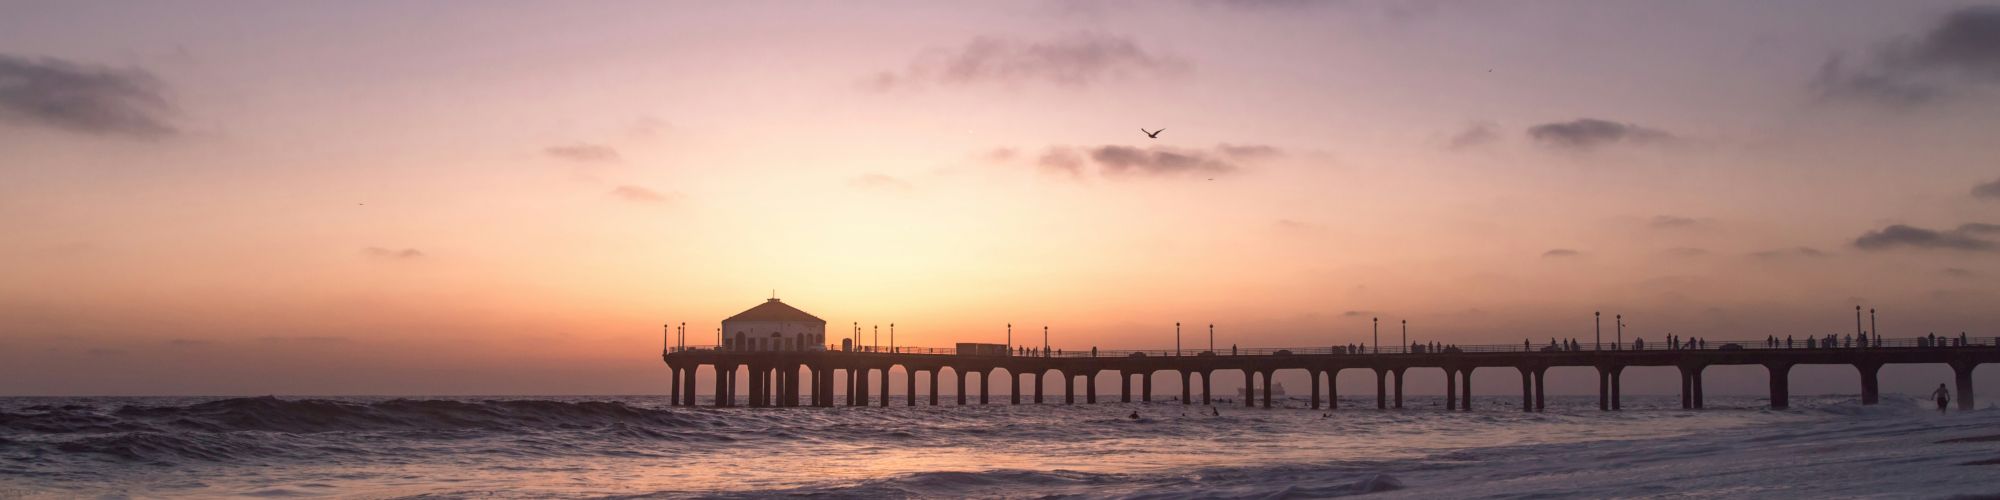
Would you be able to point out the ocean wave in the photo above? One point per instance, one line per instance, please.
(306, 416)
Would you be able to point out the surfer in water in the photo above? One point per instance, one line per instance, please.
(1943, 397)
(1134, 416)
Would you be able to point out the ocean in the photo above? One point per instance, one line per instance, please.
(639, 446)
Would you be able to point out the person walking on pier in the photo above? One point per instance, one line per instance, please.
(1943, 396)
(1788, 342)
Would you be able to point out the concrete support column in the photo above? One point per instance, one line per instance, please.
(721, 386)
(1781, 385)
(1399, 387)
(812, 380)
(1069, 388)
(1617, 375)
(676, 385)
(798, 385)
(1961, 372)
(1465, 389)
(1527, 389)
(1687, 389)
(1697, 386)
(1090, 387)
(688, 394)
(1249, 388)
(1014, 386)
(959, 389)
(1124, 387)
(1450, 389)
(1207, 387)
(1146, 386)
(885, 387)
(910, 387)
(985, 385)
(1871, 387)
(1541, 375)
(1603, 389)
(1333, 389)
(934, 385)
(1381, 389)
(755, 377)
(1267, 389)
(1038, 387)
(854, 384)
(1315, 387)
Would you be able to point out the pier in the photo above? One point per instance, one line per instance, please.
(795, 378)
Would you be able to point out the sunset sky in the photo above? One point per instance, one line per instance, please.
(222, 198)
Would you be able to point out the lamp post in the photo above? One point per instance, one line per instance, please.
(877, 343)
(1010, 339)
(1857, 320)
(1045, 341)
(1177, 338)
(1597, 325)
(1375, 329)
(1620, 320)
(892, 337)
(683, 335)
(1211, 342)
(1871, 326)
(1406, 336)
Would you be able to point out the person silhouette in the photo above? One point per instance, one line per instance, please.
(1943, 397)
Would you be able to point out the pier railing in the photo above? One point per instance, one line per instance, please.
(1844, 342)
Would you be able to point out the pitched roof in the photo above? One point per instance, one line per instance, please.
(773, 310)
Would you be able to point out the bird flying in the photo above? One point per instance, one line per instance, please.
(1154, 134)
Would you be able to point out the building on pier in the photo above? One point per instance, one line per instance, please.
(774, 326)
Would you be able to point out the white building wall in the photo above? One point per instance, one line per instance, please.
(757, 335)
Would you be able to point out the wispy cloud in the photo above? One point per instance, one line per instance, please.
(1964, 237)
(1962, 48)
(309, 339)
(1584, 134)
(638, 194)
(1561, 253)
(1061, 160)
(1673, 222)
(1788, 253)
(880, 182)
(1071, 61)
(1475, 135)
(1127, 160)
(1987, 191)
(583, 152)
(1687, 252)
(1156, 161)
(55, 93)
(392, 253)
(1298, 226)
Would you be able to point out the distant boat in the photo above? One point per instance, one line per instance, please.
(1276, 391)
